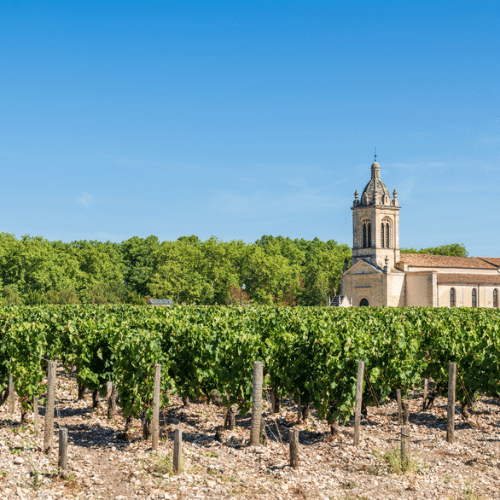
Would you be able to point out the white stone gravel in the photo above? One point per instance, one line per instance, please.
(103, 467)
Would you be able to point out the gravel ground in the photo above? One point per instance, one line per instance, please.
(220, 464)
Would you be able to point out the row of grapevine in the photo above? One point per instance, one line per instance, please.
(311, 353)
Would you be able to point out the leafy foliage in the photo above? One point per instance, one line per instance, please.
(453, 250)
(311, 352)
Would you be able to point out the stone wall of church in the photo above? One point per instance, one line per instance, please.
(396, 290)
(365, 286)
(463, 295)
(419, 289)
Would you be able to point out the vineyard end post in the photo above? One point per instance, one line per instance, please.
(426, 389)
(49, 408)
(63, 451)
(359, 396)
(294, 448)
(178, 451)
(111, 397)
(405, 447)
(400, 406)
(35, 417)
(156, 408)
(12, 395)
(450, 422)
(258, 370)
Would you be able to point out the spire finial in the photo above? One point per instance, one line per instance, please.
(375, 154)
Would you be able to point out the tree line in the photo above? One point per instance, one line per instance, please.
(271, 271)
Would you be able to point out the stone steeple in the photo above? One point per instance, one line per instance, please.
(376, 224)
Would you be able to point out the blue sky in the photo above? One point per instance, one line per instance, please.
(231, 119)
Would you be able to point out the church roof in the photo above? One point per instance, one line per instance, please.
(375, 189)
(492, 260)
(427, 260)
(468, 279)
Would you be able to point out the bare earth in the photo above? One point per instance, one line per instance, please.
(101, 465)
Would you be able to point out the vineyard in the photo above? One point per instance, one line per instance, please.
(310, 356)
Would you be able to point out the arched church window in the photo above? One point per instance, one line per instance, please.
(495, 297)
(384, 234)
(364, 303)
(367, 234)
(474, 297)
(452, 297)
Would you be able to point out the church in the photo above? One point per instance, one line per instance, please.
(380, 275)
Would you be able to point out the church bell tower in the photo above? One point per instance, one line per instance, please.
(375, 219)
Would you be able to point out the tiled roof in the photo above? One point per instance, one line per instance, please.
(468, 279)
(427, 260)
(492, 260)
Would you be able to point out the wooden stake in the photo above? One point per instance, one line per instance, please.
(426, 389)
(35, 416)
(405, 447)
(63, 451)
(12, 395)
(359, 397)
(156, 408)
(294, 448)
(406, 413)
(450, 423)
(48, 436)
(299, 410)
(178, 451)
(111, 397)
(400, 406)
(256, 403)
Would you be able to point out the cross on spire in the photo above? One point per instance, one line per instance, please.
(375, 154)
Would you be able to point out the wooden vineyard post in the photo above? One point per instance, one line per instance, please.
(48, 436)
(156, 408)
(178, 451)
(405, 446)
(400, 406)
(35, 416)
(450, 423)
(111, 397)
(359, 397)
(406, 413)
(426, 389)
(256, 403)
(294, 448)
(63, 451)
(12, 395)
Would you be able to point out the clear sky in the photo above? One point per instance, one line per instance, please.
(238, 119)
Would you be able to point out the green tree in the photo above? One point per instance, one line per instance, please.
(269, 277)
(178, 274)
(139, 263)
(453, 249)
(221, 265)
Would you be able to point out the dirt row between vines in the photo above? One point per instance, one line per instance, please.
(220, 464)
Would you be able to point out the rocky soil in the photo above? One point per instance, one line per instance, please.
(220, 464)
